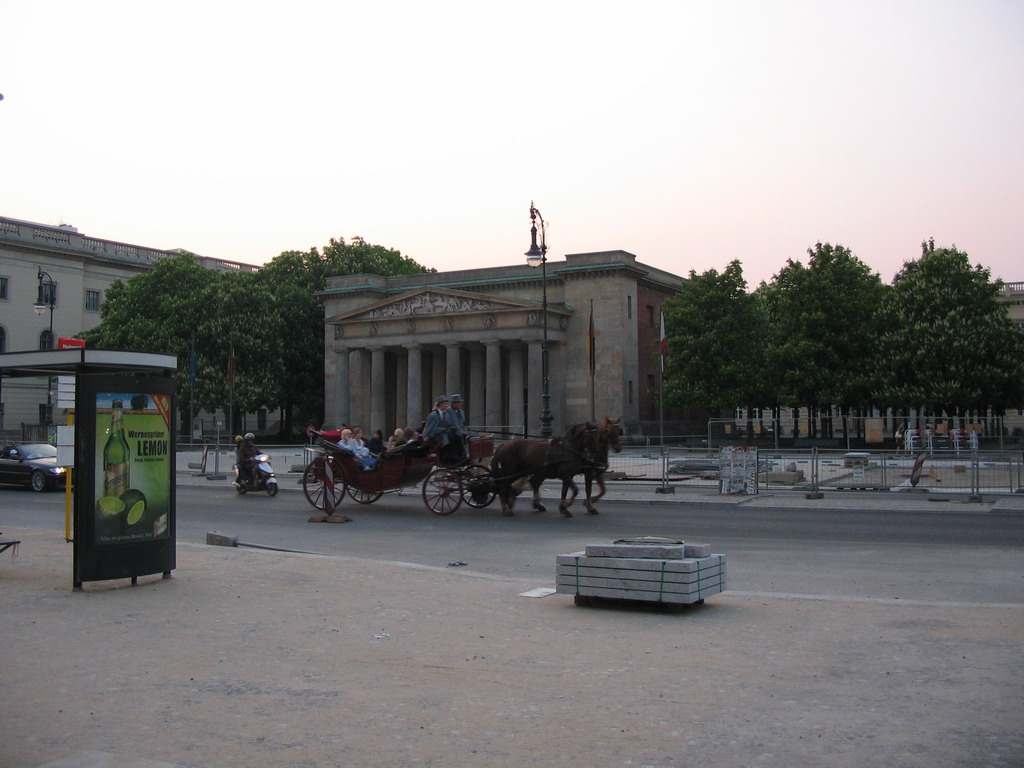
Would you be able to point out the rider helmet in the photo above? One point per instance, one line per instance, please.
(250, 436)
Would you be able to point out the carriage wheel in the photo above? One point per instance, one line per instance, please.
(478, 486)
(322, 488)
(442, 492)
(364, 497)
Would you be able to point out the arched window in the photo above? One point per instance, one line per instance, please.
(46, 339)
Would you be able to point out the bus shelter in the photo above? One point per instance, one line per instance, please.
(123, 465)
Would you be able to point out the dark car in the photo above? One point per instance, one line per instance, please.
(31, 464)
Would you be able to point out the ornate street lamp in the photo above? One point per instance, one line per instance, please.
(537, 257)
(47, 298)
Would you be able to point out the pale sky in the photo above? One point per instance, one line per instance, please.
(688, 133)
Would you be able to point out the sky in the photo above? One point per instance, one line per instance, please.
(687, 133)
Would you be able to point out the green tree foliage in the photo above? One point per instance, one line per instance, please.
(949, 344)
(297, 278)
(273, 319)
(714, 329)
(164, 310)
(823, 322)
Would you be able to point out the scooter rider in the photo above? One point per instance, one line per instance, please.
(247, 452)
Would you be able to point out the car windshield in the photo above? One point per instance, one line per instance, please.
(37, 451)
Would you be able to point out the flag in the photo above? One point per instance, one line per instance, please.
(590, 342)
(231, 367)
(663, 342)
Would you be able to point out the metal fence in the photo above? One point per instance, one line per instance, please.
(983, 472)
(991, 472)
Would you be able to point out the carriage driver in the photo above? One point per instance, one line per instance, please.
(435, 428)
(458, 430)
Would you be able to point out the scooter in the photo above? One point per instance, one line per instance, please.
(266, 480)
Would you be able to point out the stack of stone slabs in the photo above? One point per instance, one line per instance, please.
(634, 569)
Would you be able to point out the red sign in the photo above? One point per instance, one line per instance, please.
(63, 342)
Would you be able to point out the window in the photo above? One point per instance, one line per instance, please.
(5, 288)
(3, 339)
(92, 300)
(650, 315)
(46, 339)
(629, 307)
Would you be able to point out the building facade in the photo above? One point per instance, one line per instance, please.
(393, 344)
(81, 268)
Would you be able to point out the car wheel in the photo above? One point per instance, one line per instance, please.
(37, 481)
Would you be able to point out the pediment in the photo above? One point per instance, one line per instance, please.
(433, 301)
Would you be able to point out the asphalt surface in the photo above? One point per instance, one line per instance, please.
(249, 657)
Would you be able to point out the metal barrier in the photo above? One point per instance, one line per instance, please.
(988, 472)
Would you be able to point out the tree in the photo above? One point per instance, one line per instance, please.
(714, 329)
(297, 277)
(272, 318)
(179, 302)
(824, 321)
(949, 345)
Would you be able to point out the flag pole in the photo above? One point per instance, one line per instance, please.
(592, 361)
(662, 348)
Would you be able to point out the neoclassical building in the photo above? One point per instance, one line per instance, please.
(394, 343)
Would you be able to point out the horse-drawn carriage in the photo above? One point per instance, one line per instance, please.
(334, 472)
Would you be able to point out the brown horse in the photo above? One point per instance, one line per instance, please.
(583, 449)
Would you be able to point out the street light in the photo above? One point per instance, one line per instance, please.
(537, 257)
(47, 298)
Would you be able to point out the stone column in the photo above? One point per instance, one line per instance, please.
(438, 375)
(414, 386)
(341, 393)
(358, 408)
(493, 413)
(376, 391)
(401, 394)
(534, 387)
(475, 397)
(516, 380)
(452, 369)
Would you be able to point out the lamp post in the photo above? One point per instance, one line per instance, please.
(46, 299)
(537, 257)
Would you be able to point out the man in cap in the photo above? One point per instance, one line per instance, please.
(435, 428)
(458, 430)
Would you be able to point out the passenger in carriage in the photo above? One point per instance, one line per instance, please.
(351, 442)
(375, 444)
(396, 440)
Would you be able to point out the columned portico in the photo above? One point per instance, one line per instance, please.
(394, 343)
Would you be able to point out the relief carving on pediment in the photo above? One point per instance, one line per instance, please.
(429, 303)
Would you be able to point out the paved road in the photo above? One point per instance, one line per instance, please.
(901, 551)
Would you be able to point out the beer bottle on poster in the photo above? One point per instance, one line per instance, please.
(116, 457)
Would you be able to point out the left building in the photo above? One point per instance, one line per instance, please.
(79, 268)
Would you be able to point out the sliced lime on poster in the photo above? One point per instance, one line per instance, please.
(111, 506)
(135, 502)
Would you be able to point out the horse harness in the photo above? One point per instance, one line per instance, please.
(590, 458)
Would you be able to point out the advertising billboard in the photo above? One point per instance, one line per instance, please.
(132, 457)
(124, 482)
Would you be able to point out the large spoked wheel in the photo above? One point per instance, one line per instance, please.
(364, 497)
(478, 486)
(442, 492)
(323, 490)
